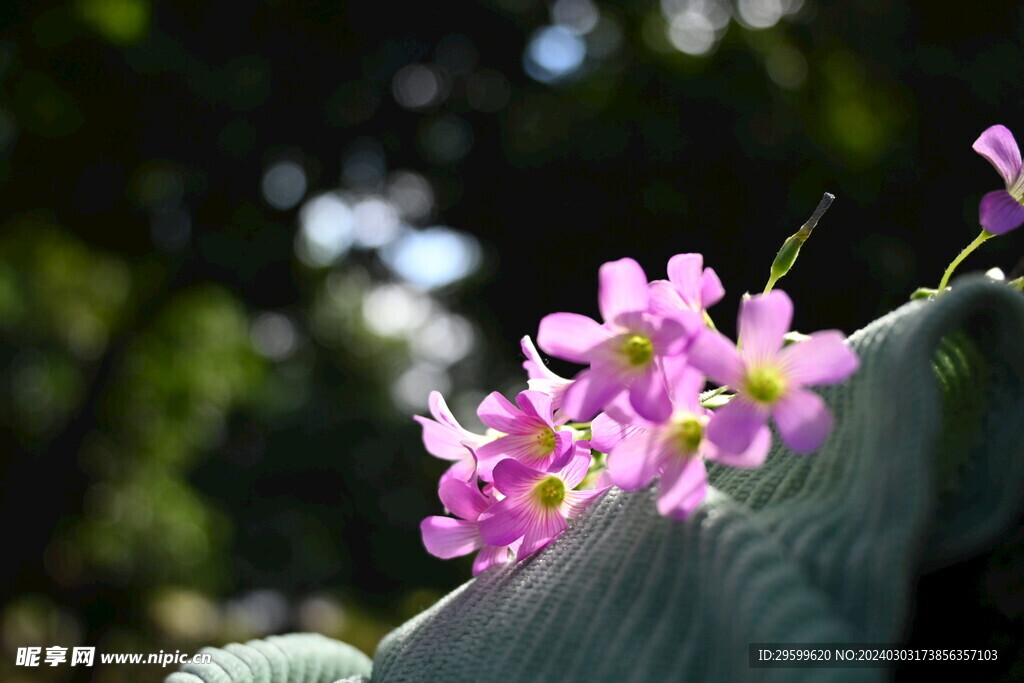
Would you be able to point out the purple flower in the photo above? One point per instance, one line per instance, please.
(769, 380)
(624, 353)
(1001, 211)
(445, 438)
(536, 504)
(531, 437)
(690, 286)
(446, 537)
(676, 450)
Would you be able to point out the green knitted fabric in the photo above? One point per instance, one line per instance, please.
(292, 658)
(925, 467)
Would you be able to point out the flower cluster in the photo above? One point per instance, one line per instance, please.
(640, 410)
(635, 413)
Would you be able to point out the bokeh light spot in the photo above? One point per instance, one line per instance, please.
(122, 22)
(553, 53)
(418, 86)
(284, 185)
(578, 16)
(760, 13)
(327, 230)
(692, 33)
(274, 336)
(411, 194)
(432, 258)
(394, 311)
(376, 222)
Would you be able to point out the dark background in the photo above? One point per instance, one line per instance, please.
(205, 428)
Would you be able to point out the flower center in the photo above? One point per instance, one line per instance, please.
(638, 349)
(550, 492)
(545, 442)
(765, 384)
(1017, 189)
(688, 433)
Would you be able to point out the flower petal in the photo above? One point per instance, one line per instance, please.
(505, 521)
(578, 465)
(545, 526)
(713, 354)
(514, 479)
(634, 462)
(824, 358)
(803, 420)
(534, 365)
(764, 321)
(489, 556)
(462, 498)
(665, 300)
(571, 336)
(648, 395)
(711, 289)
(606, 432)
(673, 335)
(562, 451)
(535, 404)
(686, 384)
(446, 538)
(753, 456)
(997, 145)
(439, 409)
(464, 470)
(684, 271)
(622, 288)
(590, 392)
(999, 212)
(441, 441)
(497, 412)
(577, 501)
(683, 486)
(734, 426)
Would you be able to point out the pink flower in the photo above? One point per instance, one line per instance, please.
(769, 380)
(624, 353)
(531, 435)
(1001, 211)
(675, 450)
(536, 504)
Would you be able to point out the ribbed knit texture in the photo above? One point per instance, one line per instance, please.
(822, 548)
(925, 467)
(292, 658)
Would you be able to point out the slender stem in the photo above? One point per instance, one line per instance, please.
(771, 283)
(978, 241)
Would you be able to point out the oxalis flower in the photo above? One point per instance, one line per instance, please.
(1001, 211)
(531, 435)
(624, 353)
(676, 450)
(768, 379)
(536, 504)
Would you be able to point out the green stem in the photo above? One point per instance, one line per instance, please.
(978, 241)
(771, 283)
